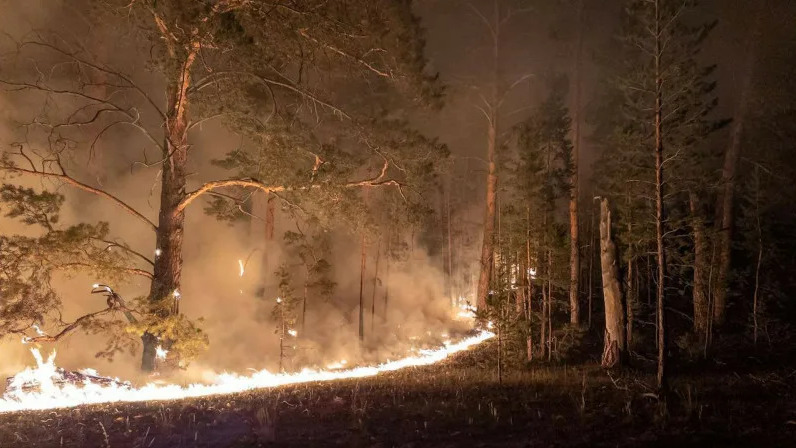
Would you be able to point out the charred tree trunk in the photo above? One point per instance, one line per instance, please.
(728, 175)
(614, 348)
(164, 292)
(700, 296)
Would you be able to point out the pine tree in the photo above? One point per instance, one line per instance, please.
(665, 99)
(250, 66)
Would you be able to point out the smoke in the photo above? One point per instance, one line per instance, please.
(236, 316)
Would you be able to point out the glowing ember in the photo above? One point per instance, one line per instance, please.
(52, 393)
(161, 352)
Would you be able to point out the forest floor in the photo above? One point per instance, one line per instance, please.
(459, 402)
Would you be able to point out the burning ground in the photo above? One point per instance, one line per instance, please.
(458, 402)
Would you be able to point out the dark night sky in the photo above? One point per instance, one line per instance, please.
(540, 42)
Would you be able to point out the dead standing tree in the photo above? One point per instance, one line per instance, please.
(614, 351)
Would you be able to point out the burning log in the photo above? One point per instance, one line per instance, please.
(60, 378)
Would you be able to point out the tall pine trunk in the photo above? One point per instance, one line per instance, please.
(164, 292)
(363, 261)
(614, 344)
(574, 257)
(488, 243)
(660, 213)
(375, 287)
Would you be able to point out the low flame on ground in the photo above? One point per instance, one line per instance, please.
(337, 365)
(49, 394)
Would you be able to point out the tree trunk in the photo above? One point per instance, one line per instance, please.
(375, 287)
(756, 297)
(388, 258)
(304, 298)
(488, 243)
(164, 295)
(630, 303)
(450, 285)
(592, 244)
(728, 174)
(700, 296)
(549, 316)
(362, 290)
(614, 348)
(574, 256)
(660, 213)
(543, 323)
(529, 293)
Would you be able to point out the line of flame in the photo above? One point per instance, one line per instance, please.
(50, 395)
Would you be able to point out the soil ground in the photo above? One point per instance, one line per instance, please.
(457, 403)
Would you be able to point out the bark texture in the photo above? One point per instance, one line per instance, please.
(167, 271)
(574, 257)
(614, 348)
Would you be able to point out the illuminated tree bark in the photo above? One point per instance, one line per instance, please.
(574, 234)
(167, 271)
(614, 344)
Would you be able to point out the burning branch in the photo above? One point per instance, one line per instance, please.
(114, 301)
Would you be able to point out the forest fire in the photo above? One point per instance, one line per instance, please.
(47, 386)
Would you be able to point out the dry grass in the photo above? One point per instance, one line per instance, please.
(458, 403)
